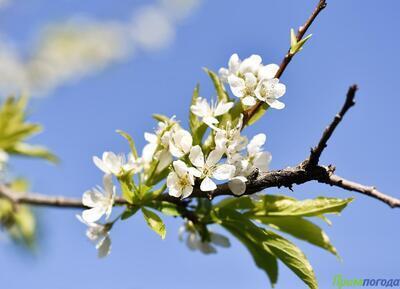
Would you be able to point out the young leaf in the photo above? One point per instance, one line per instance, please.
(160, 117)
(252, 238)
(129, 212)
(296, 46)
(130, 141)
(301, 229)
(34, 151)
(292, 257)
(286, 206)
(154, 222)
(194, 122)
(218, 85)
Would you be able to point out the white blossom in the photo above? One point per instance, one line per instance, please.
(250, 80)
(207, 169)
(111, 163)
(194, 242)
(180, 181)
(99, 200)
(230, 139)
(209, 113)
(98, 234)
(158, 145)
(180, 142)
(245, 165)
(269, 90)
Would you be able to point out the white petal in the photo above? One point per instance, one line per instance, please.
(150, 137)
(214, 157)
(224, 172)
(249, 101)
(104, 247)
(237, 85)
(250, 80)
(180, 168)
(223, 107)
(268, 71)
(172, 179)
(93, 215)
(275, 103)
(109, 188)
(207, 185)
(165, 158)
(187, 191)
(92, 198)
(256, 143)
(237, 185)
(196, 156)
(210, 121)
(113, 162)
(250, 64)
(262, 161)
(234, 63)
(195, 172)
(100, 164)
(223, 74)
(219, 240)
(280, 90)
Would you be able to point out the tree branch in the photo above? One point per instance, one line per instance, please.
(307, 171)
(249, 113)
(322, 144)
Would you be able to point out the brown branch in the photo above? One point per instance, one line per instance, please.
(307, 171)
(249, 113)
(318, 149)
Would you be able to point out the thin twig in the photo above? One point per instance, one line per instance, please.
(318, 149)
(249, 113)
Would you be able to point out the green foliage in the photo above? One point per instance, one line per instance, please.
(154, 222)
(222, 95)
(284, 214)
(197, 127)
(14, 130)
(296, 46)
(18, 221)
(130, 141)
(266, 246)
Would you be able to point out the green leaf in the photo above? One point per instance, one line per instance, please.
(267, 242)
(194, 122)
(218, 85)
(259, 113)
(286, 206)
(301, 229)
(197, 127)
(161, 117)
(128, 188)
(166, 208)
(252, 238)
(292, 257)
(154, 222)
(296, 46)
(130, 141)
(129, 212)
(234, 203)
(35, 151)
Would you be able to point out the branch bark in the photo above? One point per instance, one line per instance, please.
(308, 170)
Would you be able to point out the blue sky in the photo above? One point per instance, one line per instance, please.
(353, 42)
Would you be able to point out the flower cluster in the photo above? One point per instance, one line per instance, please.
(188, 161)
(251, 80)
